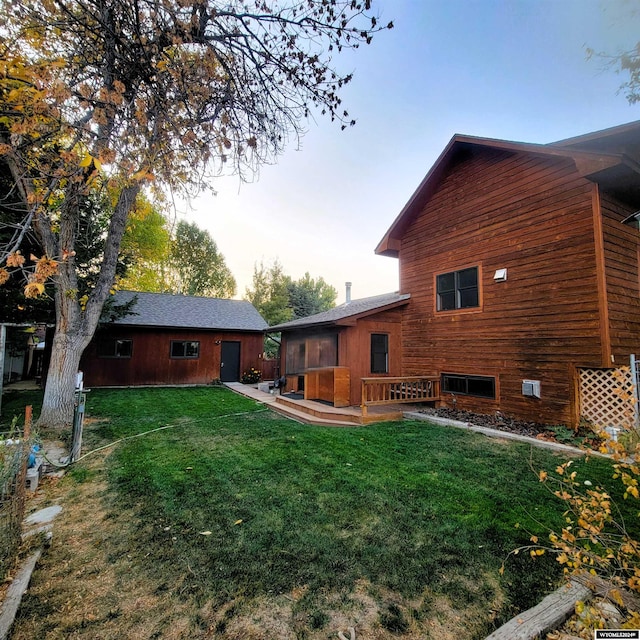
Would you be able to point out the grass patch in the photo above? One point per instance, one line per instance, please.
(259, 521)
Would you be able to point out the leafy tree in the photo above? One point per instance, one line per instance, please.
(122, 96)
(188, 263)
(308, 296)
(145, 248)
(270, 293)
(199, 269)
(279, 298)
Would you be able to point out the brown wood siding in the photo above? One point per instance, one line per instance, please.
(621, 247)
(357, 353)
(354, 347)
(532, 216)
(151, 364)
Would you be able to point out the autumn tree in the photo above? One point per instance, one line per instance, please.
(153, 95)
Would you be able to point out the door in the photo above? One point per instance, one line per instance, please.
(230, 362)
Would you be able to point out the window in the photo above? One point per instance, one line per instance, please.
(312, 351)
(379, 353)
(479, 386)
(114, 348)
(296, 353)
(458, 289)
(186, 349)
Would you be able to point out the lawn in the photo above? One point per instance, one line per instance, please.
(238, 523)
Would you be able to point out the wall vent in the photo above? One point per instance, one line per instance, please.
(531, 388)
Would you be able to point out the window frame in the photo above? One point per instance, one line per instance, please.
(185, 355)
(465, 379)
(458, 290)
(115, 353)
(372, 369)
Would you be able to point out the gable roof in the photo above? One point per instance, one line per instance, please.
(603, 163)
(189, 312)
(347, 313)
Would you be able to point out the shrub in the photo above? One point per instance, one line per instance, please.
(251, 377)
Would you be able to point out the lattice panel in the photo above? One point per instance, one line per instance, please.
(606, 397)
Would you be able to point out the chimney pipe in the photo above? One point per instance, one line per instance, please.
(348, 298)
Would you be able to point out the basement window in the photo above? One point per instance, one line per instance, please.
(185, 349)
(457, 289)
(115, 348)
(478, 386)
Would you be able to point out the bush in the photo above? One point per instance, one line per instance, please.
(251, 377)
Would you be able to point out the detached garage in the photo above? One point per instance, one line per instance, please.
(174, 339)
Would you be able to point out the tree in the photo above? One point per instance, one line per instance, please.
(145, 248)
(270, 293)
(308, 296)
(119, 96)
(199, 268)
(279, 298)
(188, 263)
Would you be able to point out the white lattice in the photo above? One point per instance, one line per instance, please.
(607, 397)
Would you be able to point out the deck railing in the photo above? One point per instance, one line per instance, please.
(376, 391)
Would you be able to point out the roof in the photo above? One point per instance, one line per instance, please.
(189, 312)
(348, 312)
(605, 163)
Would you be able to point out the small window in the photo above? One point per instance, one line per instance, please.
(115, 348)
(479, 386)
(458, 289)
(379, 353)
(186, 349)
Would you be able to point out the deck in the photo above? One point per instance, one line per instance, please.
(312, 412)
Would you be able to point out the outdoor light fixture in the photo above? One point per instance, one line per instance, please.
(500, 275)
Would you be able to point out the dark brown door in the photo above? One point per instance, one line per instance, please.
(230, 362)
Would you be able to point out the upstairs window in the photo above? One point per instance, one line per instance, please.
(379, 353)
(115, 348)
(457, 289)
(185, 349)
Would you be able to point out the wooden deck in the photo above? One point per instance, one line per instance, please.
(311, 412)
(320, 413)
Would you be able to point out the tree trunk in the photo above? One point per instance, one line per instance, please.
(58, 402)
(75, 325)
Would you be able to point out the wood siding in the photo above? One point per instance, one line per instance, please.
(533, 216)
(354, 347)
(151, 364)
(621, 244)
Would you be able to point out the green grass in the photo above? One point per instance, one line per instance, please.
(233, 501)
(404, 506)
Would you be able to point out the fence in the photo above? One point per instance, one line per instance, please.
(608, 396)
(270, 368)
(14, 454)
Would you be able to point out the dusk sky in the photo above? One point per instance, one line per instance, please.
(508, 69)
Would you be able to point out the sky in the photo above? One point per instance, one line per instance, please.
(508, 69)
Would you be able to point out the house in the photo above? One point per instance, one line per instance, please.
(357, 339)
(522, 266)
(175, 339)
(519, 281)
